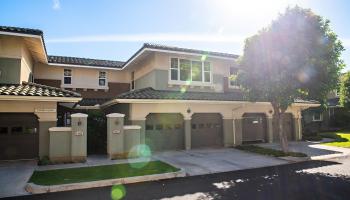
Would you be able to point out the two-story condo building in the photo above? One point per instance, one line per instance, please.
(182, 98)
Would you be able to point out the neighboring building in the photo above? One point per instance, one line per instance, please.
(182, 98)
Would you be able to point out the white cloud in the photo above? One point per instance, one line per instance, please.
(157, 37)
(56, 4)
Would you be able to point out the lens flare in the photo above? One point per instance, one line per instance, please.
(183, 89)
(140, 151)
(118, 192)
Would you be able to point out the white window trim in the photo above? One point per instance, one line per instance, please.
(317, 120)
(193, 83)
(106, 79)
(229, 81)
(71, 78)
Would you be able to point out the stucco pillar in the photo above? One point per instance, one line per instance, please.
(269, 129)
(142, 124)
(79, 137)
(228, 132)
(297, 128)
(47, 119)
(115, 135)
(187, 127)
(237, 129)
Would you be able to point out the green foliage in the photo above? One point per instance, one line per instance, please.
(297, 56)
(341, 138)
(345, 91)
(85, 174)
(269, 152)
(44, 161)
(97, 132)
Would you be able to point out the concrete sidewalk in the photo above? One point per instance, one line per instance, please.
(315, 150)
(207, 161)
(14, 176)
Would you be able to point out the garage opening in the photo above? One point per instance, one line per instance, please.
(206, 130)
(254, 128)
(288, 127)
(165, 131)
(19, 136)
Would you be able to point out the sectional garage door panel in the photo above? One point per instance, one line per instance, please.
(288, 127)
(18, 136)
(254, 127)
(206, 130)
(165, 131)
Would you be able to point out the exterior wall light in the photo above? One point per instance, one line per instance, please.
(188, 110)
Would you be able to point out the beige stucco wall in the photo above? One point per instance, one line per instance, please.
(26, 64)
(81, 77)
(15, 47)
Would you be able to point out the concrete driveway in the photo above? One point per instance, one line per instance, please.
(207, 161)
(14, 176)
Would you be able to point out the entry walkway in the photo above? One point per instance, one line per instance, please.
(207, 161)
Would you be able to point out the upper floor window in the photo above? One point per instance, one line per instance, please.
(132, 80)
(102, 78)
(67, 76)
(232, 78)
(190, 70)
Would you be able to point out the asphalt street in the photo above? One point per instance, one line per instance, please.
(306, 180)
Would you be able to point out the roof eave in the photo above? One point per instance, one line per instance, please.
(39, 98)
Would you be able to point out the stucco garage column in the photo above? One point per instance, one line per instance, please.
(142, 123)
(187, 128)
(237, 129)
(297, 128)
(228, 132)
(269, 123)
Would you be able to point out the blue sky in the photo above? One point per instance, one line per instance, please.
(112, 29)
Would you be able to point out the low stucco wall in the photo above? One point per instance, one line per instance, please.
(60, 144)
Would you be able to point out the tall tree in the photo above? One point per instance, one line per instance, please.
(345, 90)
(297, 56)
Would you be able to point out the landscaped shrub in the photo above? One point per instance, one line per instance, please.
(44, 161)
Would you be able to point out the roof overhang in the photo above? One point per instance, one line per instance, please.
(39, 98)
(144, 50)
(35, 44)
(84, 66)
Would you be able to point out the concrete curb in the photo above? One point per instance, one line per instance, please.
(295, 159)
(39, 189)
(330, 156)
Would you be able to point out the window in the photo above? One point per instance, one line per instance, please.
(207, 72)
(149, 127)
(3, 130)
(67, 76)
(102, 79)
(174, 68)
(132, 80)
(190, 70)
(17, 130)
(317, 116)
(196, 71)
(232, 78)
(185, 70)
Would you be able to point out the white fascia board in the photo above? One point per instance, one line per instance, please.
(182, 101)
(30, 36)
(83, 66)
(39, 98)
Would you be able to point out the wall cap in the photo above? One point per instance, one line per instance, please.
(115, 115)
(130, 127)
(79, 115)
(59, 129)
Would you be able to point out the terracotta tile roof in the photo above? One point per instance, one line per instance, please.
(92, 101)
(34, 89)
(150, 93)
(85, 61)
(21, 30)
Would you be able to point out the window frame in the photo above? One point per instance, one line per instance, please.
(315, 119)
(180, 82)
(105, 78)
(70, 76)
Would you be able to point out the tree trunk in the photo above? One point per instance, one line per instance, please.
(278, 113)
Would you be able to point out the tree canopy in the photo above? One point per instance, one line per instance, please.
(297, 56)
(345, 90)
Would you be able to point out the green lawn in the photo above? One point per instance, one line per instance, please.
(269, 152)
(342, 138)
(85, 174)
